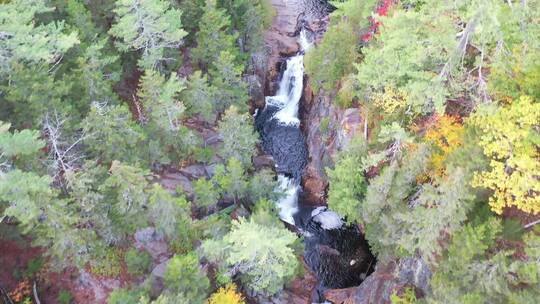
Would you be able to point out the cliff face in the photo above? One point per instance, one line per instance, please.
(328, 129)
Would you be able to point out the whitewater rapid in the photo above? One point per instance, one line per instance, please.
(287, 102)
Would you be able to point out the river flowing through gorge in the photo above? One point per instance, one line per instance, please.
(336, 252)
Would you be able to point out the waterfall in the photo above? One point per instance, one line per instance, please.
(324, 230)
(287, 101)
(289, 92)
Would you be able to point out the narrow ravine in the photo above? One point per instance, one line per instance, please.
(335, 251)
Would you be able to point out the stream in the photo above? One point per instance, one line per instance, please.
(336, 252)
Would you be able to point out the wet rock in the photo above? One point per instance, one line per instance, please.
(320, 147)
(388, 278)
(315, 186)
(256, 90)
(263, 161)
(279, 41)
(416, 272)
(323, 143)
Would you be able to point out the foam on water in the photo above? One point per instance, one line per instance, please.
(288, 205)
(328, 219)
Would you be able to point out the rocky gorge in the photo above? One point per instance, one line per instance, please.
(327, 129)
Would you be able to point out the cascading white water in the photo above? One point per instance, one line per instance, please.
(287, 100)
(289, 92)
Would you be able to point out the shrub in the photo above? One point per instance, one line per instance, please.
(137, 262)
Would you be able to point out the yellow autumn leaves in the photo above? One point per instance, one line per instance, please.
(226, 295)
(511, 140)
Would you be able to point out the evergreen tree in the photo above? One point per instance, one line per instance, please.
(24, 42)
(213, 36)
(169, 140)
(150, 27)
(262, 255)
(226, 77)
(337, 59)
(249, 19)
(410, 61)
(113, 135)
(232, 179)
(200, 97)
(183, 276)
(239, 137)
(205, 192)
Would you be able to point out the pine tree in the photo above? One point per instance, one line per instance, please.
(25, 43)
(410, 62)
(206, 193)
(200, 97)
(226, 77)
(183, 276)
(213, 36)
(262, 255)
(150, 27)
(337, 60)
(239, 137)
(249, 18)
(113, 135)
(169, 140)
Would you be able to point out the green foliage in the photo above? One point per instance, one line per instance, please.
(108, 264)
(239, 137)
(169, 140)
(124, 296)
(465, 273)
(347, 188)
(31, 92)
(16, 144)
(113, 135)
(24, 41)
(206, 193)
(409, 53)
(261, 254)
(171, 215)
(263, 185)
(213, 36)
(408, 297)
(337, 60)
(64, 297)
(232, 179)
(249, 18)
(200, 97)
(150, 27)
(33, 267)
(184, 276)
(96, 71)
(137, 262)
(226, 77)
(192, 11)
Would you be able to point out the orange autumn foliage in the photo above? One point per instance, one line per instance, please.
(446, 136)
(21, 292)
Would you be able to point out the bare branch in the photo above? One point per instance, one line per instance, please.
(63, 153)
(36, 298)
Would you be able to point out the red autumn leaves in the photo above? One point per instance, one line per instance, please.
(382, 10)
